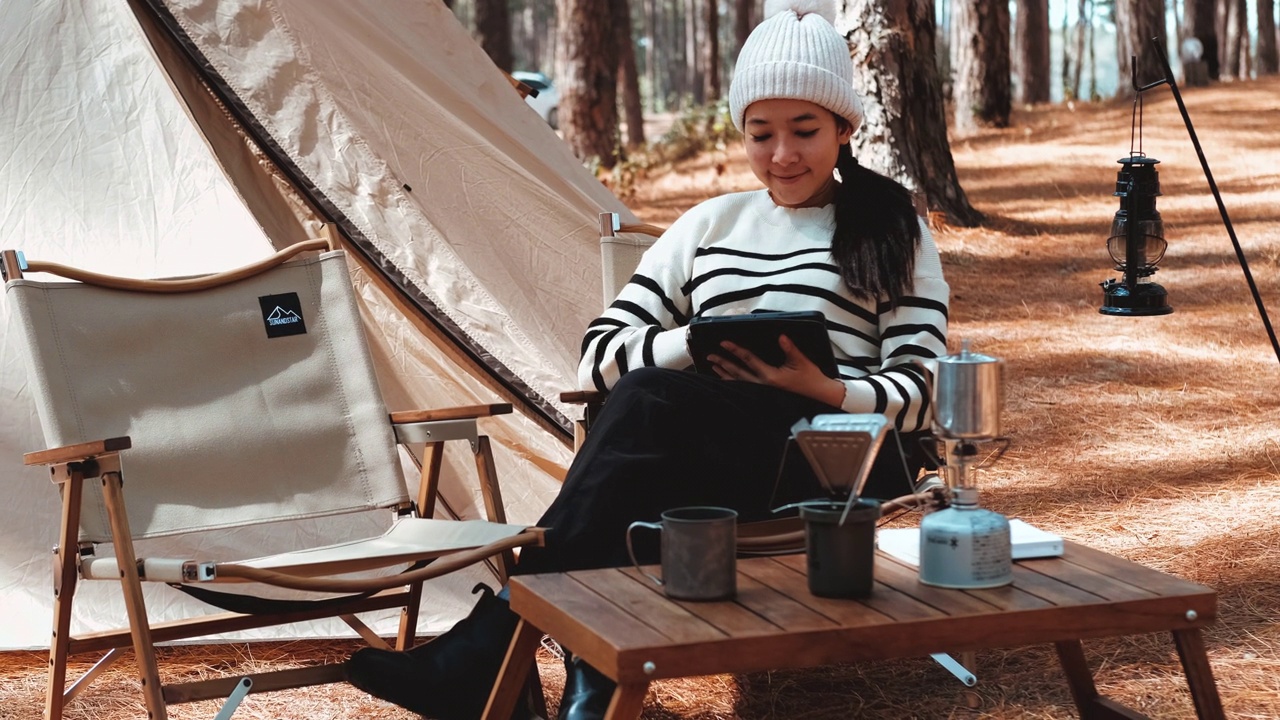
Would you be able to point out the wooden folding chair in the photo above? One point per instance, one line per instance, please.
(228, 401)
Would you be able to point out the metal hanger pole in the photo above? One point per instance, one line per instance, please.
(1213, 186)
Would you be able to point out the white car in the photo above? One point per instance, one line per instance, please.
(547, 102)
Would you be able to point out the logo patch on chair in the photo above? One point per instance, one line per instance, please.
(282, 315)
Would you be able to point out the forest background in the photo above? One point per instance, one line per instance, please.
(927, 71)
(1152, 439)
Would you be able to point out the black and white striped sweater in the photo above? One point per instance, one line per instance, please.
(740, 253)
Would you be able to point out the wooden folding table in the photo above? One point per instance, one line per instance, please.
(621, 624)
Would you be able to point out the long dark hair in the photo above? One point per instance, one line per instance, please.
(877, 233)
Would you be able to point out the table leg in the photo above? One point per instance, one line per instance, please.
(1079, 676)
(1195, 663)
(509, 688)
(1091, 705)
(627, 702)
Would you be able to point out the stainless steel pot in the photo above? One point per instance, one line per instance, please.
(968, 395)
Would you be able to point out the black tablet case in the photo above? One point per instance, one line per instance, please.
(758, 332)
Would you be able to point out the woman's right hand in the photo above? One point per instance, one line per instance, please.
(796, 374)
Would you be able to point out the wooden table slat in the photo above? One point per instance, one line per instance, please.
(849, 614)
(1085, 579)
(884, 599)
(633, 594)
(906, 579)
(727, 617)
(1130, 572)
(776, 607)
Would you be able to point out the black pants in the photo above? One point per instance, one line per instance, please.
(669, 438)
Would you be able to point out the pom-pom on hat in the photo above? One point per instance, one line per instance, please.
(796, 53)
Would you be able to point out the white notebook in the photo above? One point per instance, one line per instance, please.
(1028, 542)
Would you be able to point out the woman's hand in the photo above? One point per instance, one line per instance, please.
(797, 373)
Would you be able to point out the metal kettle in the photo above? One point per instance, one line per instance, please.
(968, 395)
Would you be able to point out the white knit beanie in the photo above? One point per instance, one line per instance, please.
(796, 53)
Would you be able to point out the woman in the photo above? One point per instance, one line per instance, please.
(853, 249)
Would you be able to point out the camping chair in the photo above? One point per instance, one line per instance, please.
(227, 401)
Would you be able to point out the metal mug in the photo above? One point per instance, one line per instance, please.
(699, 552)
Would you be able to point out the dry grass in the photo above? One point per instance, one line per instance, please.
(1154, 439)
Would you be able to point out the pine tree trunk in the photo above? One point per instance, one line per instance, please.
(586, 70)
(692, 58)
(711, 51)
(742, 22)
(628, 80)
(904, 133)
(1268, 58)
(1033, 50)
(982, 82)
(1083, 26)
(1198, 21)
(1137, 21)
(1234, 35)
(493, 25)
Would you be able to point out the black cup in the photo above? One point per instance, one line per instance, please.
(841, 558)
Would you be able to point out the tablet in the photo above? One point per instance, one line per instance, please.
(758, 332)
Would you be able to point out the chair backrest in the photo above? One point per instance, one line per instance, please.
(620, 254)
(250, 402)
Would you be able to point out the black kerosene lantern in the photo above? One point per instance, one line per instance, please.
(1136, 243)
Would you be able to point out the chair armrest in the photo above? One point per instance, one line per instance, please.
(583, 397)
(467, 412)
(80, 451)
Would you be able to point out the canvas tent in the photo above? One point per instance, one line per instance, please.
(168, 137)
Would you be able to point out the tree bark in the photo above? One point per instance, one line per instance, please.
(1137, 21)
(1199, 22)
(692, 58)
(1268, 58)
(904, 132)
(982, 81)
(586, 71)
(493, 25)
(1234, 33)
(743, 22)
(1084, 27)
(711, 51)
(1033, 50)
(628, 80)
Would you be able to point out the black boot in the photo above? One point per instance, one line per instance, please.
(448, 678)
(587, 691)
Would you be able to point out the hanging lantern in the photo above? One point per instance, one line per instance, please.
(1136, 243)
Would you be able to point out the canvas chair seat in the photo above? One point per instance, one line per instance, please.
(230, 401)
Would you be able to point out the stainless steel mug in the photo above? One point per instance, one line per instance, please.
(699, 552)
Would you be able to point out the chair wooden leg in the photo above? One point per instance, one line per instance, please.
(408, 634)
(429, 480)
(140, 627)
(71, 485)
(1195, 663)
(494, 510)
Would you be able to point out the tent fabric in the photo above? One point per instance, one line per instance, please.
(398, 126)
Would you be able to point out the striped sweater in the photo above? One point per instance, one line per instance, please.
(741, 253)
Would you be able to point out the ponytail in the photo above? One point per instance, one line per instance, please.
(877, 233)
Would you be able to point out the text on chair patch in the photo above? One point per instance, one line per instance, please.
(282, 315)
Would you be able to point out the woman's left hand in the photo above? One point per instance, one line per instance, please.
(797, 373)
